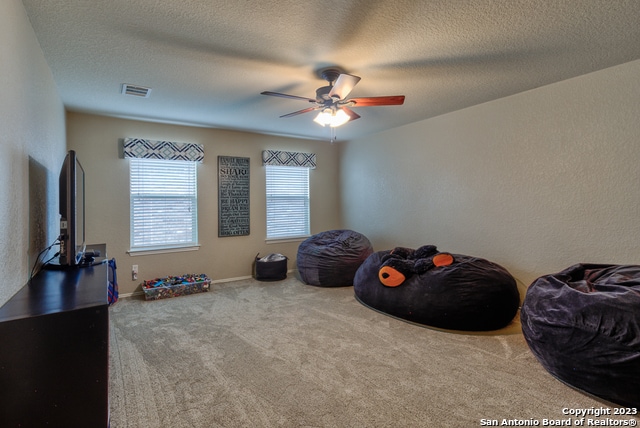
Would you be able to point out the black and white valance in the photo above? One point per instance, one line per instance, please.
(168, 150)
(281, 158)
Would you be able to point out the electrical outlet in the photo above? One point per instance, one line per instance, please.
(134, 272)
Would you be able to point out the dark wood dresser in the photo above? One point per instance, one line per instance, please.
(54, 351)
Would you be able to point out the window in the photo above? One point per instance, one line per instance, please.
(287, 202)
(163, 201)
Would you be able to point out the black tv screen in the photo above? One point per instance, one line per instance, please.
(72, 211)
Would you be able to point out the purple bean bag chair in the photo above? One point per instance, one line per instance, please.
(331, 258)
(449, 291)
(583, 325)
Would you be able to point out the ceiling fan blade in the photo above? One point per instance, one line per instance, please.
(295, 97)
(344, 84)
(352, 114)
(295, 113)
(393, 100)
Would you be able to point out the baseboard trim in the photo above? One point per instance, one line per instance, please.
(239, 278)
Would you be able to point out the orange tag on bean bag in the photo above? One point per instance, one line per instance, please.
(390, 277)
(442, 259)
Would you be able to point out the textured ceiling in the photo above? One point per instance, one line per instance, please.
(207, 61)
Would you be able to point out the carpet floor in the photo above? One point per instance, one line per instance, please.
(285, 354)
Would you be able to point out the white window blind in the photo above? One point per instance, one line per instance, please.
(163, 204)
(287, 201)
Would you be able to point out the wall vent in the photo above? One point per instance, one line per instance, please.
(135, 90)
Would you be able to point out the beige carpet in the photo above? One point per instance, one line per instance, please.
(285, 354)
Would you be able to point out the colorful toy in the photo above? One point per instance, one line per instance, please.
(173, 286)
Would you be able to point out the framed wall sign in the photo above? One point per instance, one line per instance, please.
(233, 196)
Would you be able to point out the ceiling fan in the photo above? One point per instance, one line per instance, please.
(331, 101)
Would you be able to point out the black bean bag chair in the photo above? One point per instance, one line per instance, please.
(331, 258)
(459, 293)
(583, 325)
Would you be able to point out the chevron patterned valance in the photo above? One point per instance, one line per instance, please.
(168, 150)
(281, 158)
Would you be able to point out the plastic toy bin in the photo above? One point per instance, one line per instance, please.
(174, 286)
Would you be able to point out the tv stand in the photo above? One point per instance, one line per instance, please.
(54, 351)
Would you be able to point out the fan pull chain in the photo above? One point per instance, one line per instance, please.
(333, 137)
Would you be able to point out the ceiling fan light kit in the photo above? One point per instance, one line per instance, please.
(332, 118)
(332, 100)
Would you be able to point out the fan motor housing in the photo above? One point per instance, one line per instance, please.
(322, 94)
(330, 74)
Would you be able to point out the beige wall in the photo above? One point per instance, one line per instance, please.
(96, 140)
(32, 147)
(536, 182)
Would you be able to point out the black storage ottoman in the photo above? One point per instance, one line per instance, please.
(270, 268)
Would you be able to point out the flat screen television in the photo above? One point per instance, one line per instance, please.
(72, 212)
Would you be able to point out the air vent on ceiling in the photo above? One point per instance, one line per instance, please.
(135, 90)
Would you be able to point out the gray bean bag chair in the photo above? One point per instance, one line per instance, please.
(449, 291)
(583, 325)
(331, 258)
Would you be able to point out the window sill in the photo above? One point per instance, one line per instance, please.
(149, 252)
(285, 240)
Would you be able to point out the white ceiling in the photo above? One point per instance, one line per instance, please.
(207, 61)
